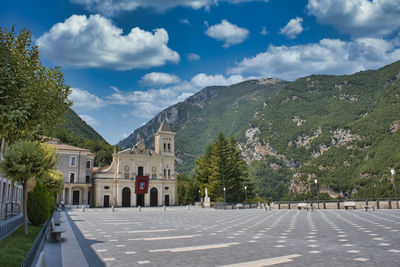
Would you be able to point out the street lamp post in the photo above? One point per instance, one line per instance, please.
(224, 195)
(394, 184)
(245, 191)
(316, 190)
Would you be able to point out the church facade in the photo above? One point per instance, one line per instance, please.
(139, 176)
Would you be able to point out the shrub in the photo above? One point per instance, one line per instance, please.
(38, 205)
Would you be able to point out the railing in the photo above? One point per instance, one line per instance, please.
(9, 226)
(12, 209)
(384, 203)
(37, 245)
(232, 206)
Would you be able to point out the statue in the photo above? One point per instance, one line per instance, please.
(206, 192)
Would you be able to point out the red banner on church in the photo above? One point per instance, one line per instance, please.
(142, 184)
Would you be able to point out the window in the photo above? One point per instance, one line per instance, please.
(165, 147)
(87, 179)
(88, 164)
(72, 161)
(169, 147)
(126, 175)
(169, 173)
(154, 176)
(140, 171)
(72, 177)
(165, 172)
(166, 188)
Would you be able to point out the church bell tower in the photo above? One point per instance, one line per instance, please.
(164, 140)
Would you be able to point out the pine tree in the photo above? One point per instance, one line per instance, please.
(203, 169)
(236, 177)
(219, 167)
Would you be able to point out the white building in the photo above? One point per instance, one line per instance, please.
(140, 176)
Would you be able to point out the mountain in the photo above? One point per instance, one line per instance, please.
(340, 130)
(343, 131)
(198, 120)
(76, 132)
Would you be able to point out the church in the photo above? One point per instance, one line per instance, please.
(140, 176)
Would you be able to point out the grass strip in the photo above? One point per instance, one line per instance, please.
(14, 248)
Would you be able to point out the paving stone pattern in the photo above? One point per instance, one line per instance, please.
(252, 237)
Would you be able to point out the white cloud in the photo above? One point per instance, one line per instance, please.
(148, 103)
(202, 80)
(159, 79)
(329, 56)
(264, 31)
(293, 28)
(192, 57)
(113, 7)
(185, 21)
(89, 120)
(94, 42)
(84, 101)
(229, 33)
(375, 18)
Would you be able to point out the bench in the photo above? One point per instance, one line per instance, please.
(55, 231)
(366, 207)
(302, 205)
(349, 204)
(56, 217)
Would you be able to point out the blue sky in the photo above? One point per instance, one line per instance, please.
(127, 60)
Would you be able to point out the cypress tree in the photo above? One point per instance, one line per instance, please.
(219, 167)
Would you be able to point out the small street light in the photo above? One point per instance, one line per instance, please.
(245, 191)
(224, 196)
(316, 190)
(394, 184)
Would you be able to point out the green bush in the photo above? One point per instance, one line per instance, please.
(38, 205)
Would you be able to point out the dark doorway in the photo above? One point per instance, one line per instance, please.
(88, 197)
(140, 200)
(106, 202)
(166, 202)
(75, 197)
(126, 197)
(140, 171)
(153, 197)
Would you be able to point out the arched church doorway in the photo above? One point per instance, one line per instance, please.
(140, 200)
(153, 197)
(126, 197)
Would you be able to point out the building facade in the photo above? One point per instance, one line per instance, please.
(11, 194)
(76, 165)
(140, 176)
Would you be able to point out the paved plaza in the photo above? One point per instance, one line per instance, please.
(250, 237)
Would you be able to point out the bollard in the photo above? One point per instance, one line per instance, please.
(377, 204)
(279, 205)
(112, 208)
(312, 206)
(187, 207)
(338, 205)
(390, 204)
(83, 208)
(140, 208)
(289, 205)
(324, 205)
(165, 209)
